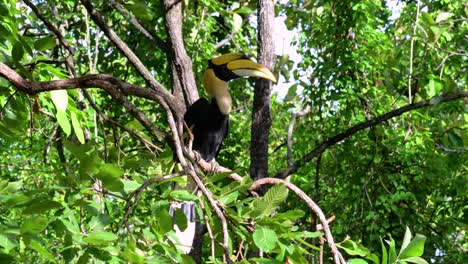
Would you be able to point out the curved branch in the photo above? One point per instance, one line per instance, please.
(117, 88)
(312, 205)
(361, 126)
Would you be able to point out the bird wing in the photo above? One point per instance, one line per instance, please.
(195, 111)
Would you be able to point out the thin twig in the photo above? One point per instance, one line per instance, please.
(133, 198)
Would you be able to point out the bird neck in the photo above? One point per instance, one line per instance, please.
(218, 89)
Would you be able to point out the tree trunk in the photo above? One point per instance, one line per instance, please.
(183, 78)
(261, 116)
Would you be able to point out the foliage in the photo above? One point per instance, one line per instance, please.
(355, 65)
(410, 251)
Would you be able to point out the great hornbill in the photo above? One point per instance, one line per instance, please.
(209, 121)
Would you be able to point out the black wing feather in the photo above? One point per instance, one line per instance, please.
(209, 127)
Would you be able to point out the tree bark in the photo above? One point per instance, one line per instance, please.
(261, 116)
(183, 78)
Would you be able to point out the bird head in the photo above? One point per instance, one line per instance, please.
(228, 67)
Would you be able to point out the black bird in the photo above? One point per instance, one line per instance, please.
(209, 121)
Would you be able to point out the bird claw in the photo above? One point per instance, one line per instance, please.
(214, 166)
(197, 157)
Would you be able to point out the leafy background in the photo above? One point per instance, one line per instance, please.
(355, 65)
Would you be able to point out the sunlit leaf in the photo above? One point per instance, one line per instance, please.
(265, 239)
(100, 237)
(34, 225)
(77, 127)
(63, 121)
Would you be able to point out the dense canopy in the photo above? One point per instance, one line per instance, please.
(366, 127)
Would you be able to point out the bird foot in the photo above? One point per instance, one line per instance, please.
(214, 166)
(197, 157)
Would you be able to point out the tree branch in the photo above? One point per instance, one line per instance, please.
(312, 205)
(135, 195)
(127, 52)
(361, 126)
(155, 40)
(118, 89)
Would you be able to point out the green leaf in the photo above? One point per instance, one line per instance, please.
(34, 225)
(236, 22)
(417, 260)
(354, 249)
(63, 122)
(41, 250)
(384, 252)
(60, 99)
(291, 215)
(292, 93)
(77, 128)
(415, 248)
(110, 174)
(165, 221)
(406, 239)
(39, 206)
(357, 261)
(141, 11)
(12, 187)
(265, 239)
(180, 220)
(443, 16)
(434, 88)
(229, 198)
(100, 238)
(44, 43)
(99, 222)
(3, 10)
(71, 226)
(17, 52)
(7, 242)
(266, 205)
(391, 250)
(183, 195)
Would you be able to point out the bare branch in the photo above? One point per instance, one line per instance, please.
(361, 126)
(49, 25)
(312, 205)
(136, 62)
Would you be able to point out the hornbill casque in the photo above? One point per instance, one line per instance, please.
(209, 121)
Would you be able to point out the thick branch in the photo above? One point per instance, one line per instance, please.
(312, 205)
(361, 126)
(115, 87)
